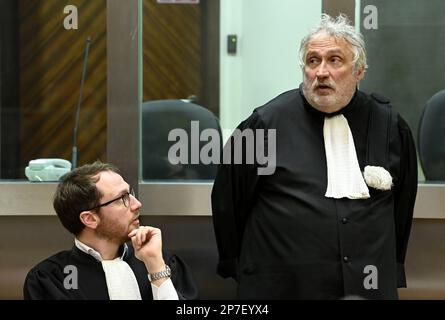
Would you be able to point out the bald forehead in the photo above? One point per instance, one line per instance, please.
(109, 177)
(110, 182)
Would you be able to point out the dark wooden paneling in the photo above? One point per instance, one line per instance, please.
(9, 90)
(51, 61)
(172, 55)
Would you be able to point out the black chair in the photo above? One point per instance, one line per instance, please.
(431, 138)
(159, 118)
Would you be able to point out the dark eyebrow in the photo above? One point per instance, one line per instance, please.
(123, 192)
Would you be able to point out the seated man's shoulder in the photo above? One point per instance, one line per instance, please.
(55, 263)
(46, 280)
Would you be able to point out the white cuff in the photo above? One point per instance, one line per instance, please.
(166, 291)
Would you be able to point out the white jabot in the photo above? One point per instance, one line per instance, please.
(345, 179)
(121, 281)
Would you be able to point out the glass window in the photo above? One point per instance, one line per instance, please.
(42, 60)
(218, 55)
(405, 58)
(175, 99)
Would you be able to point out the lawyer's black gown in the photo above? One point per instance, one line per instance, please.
(46, 280)
(281, 238)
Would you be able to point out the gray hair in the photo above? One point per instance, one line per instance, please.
(339, 28)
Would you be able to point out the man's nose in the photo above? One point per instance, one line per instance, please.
(322, 70)
(135, 204)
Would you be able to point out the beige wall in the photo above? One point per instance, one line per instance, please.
(425, 261)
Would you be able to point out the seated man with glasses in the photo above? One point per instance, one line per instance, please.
(95, 204)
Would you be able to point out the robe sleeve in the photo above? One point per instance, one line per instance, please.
(232, 199)
(42, 284)
(404, 197)
(182, 278)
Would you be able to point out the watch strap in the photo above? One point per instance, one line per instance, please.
(166, 273)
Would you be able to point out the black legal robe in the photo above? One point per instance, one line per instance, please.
(46, 280)
(281, 238)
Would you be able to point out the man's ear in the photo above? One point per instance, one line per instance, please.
(360, 74)
(90, 219)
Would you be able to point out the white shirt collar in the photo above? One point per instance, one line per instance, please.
(88, 250)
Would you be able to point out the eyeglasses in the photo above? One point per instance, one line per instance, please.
(125, 200)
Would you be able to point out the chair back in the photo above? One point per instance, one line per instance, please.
(431, 142)
(159, 118)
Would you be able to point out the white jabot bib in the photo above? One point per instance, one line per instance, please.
(345, 179)
(121, 281)
(120, 278)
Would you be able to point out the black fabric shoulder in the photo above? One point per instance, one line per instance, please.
(283, 97)
(285, 103)
(379, 98)
(55, 262)
(45, 280)
(254, 121)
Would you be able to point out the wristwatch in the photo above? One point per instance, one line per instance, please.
(166, 273)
